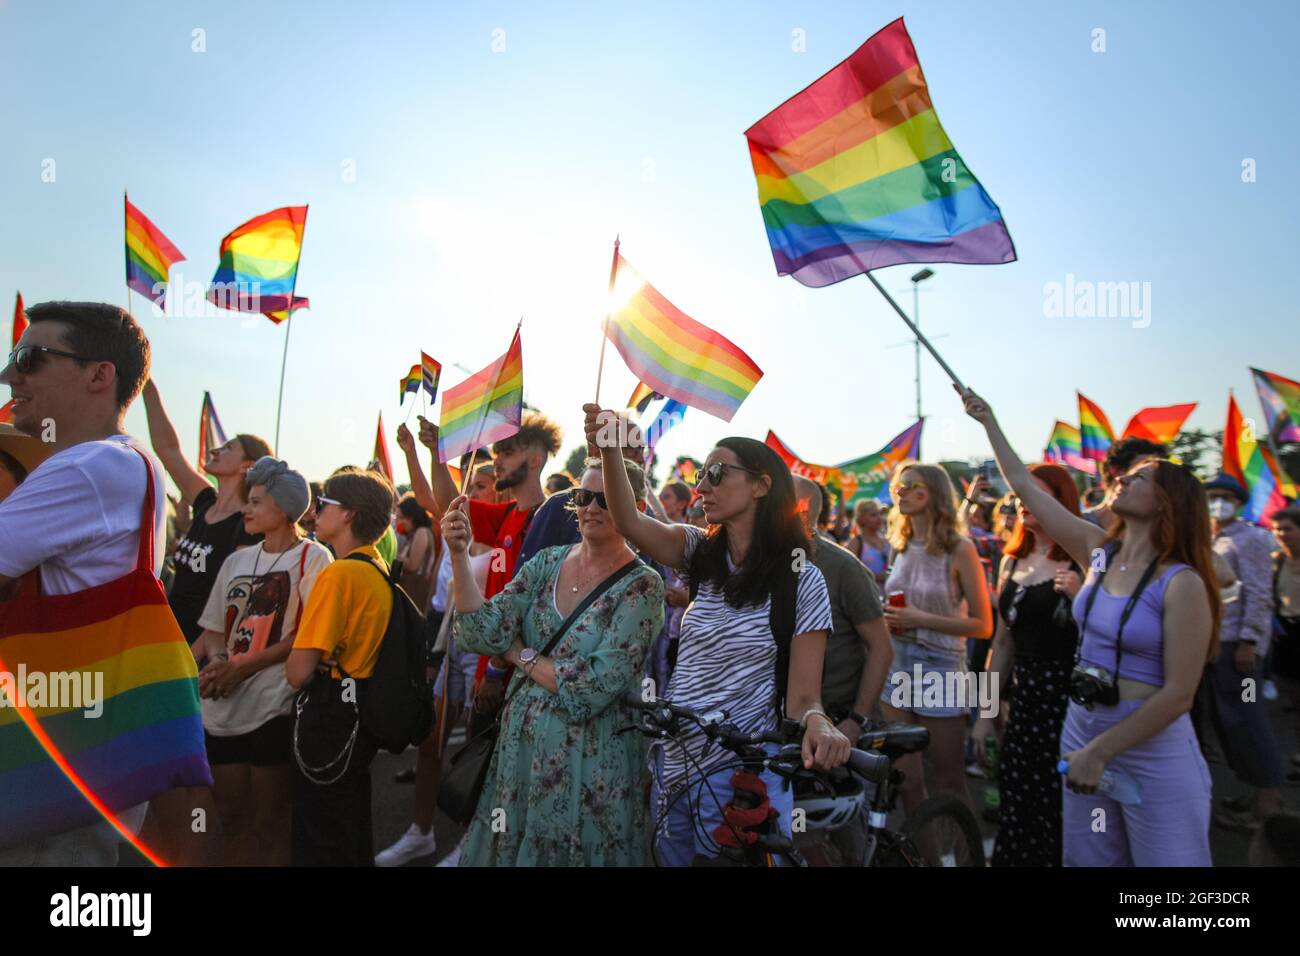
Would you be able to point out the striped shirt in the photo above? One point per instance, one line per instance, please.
(726, 659)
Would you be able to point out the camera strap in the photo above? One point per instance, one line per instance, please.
(1124, 615)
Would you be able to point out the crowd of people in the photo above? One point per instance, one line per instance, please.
(1125, 637)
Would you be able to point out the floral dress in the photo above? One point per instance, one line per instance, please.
(565, 788)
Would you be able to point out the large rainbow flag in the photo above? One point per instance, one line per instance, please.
(856, 173)
(20, 319)
(1095, 433)
(1251, 463)
(865, 478)
(486, 407)
(1281, 400)
(259, 265)
(149, 254)
(1160, 425)
(1065, 447)
(672, 353)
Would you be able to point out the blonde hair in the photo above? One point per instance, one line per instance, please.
(941, 506)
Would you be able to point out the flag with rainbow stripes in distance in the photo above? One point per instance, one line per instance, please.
(1252, 464)
(20, 319)
(856, 173)
(149, 256)
(1281, 400)
(1095, 433)
(1159, 425)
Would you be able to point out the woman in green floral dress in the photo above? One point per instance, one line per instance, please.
(564, 788)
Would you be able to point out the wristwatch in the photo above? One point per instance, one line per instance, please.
(527, 658)
(857, 718)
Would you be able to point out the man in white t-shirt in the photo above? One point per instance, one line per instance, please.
(76, 369)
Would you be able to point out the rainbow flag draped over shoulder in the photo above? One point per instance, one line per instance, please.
(485, 408)
(856, 173)
(410, 383)
(1281, 400)
(1254, 466)
(1159, 425)
(149, 254)
(20, 319)
(1095, 433)
(672, 353)
(430, 374)
(1065, 447)
(259, 265)
(211, 434)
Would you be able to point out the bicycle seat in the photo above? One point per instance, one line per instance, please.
(894, 740)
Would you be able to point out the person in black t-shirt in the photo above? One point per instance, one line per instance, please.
(217, 523)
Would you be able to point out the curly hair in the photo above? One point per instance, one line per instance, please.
(535, 431)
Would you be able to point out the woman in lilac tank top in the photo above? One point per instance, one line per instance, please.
(1148, 620)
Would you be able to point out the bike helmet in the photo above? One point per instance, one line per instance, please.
(831, 803)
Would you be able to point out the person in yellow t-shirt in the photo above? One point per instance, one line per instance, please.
(340, 633)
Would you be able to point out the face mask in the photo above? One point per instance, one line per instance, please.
(1221, 509)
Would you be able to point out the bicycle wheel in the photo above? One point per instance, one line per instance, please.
(945, 833)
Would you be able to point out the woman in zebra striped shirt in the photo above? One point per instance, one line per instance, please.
(727, 655)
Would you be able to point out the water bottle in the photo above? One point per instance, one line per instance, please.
(1115, 784)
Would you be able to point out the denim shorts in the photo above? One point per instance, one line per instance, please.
(936, 694)
(457, 675)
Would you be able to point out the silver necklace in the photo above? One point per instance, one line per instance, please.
(261, 550)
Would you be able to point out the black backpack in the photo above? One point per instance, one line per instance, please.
(395, 705)
(785, 597)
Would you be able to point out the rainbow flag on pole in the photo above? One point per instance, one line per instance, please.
(259, 265)
(20, 319)
(382, 461)
(211, 434)
(1065, 447)
(1159, 425)
(149, 254)
(856, 173)
(1095, 433)
(486, 407)
(1253, 465)
(410, 383)
(430, 374)
(1281, 400)
(672, 353)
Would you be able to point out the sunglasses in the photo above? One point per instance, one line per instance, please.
(29, 358)
(716, 472)
(909, 485)
(581, 497)
(322, 501)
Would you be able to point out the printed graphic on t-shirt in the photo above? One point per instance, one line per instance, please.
(192, 554)
(255, 609)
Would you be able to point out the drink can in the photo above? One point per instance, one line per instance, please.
(897, 599)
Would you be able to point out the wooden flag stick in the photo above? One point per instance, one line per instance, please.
(917, 332)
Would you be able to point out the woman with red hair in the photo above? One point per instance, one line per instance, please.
(1033, 654)
(1148, 623)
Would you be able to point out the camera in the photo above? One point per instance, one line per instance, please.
(1092, 685)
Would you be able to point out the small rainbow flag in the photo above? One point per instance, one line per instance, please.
(642, 396)
(259, 265)
(1159, 425)
(211, 434)
(486, 407)
(672, 353)
(1095, 433)
(1253, 465)
(20, 320)
(430, 374)
(149, 254)
(382, 462)
(410, 383)
(856, 173)
(1065, 447)
(1281, 400)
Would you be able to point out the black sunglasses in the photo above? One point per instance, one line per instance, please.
(716, 472)
(29, 358)
(581, 497)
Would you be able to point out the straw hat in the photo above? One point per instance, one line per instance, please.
(29, 451)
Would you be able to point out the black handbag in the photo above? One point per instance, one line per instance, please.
(462, 784)
(326, 728)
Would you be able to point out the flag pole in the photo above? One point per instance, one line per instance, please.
(917, 332)
(129, 308)
(288, 327)
(478, 429)
(604, 327)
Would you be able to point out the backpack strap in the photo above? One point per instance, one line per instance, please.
(781, 618)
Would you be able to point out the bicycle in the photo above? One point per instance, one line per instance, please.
(942, 831)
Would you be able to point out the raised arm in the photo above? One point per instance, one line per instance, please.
(443, 488)
(1077, 536)
(419, 484)
(167, 446)
(665, 543)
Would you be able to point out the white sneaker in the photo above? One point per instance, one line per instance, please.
(453, 858)
(411, 845)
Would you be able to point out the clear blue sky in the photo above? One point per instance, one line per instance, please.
(491, 184)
